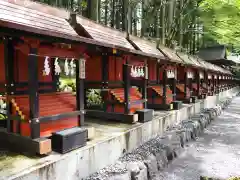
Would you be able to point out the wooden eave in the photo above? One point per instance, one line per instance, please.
(170, 54)
(145, 46)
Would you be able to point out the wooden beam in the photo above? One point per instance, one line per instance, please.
(59, 116)
(119, 117)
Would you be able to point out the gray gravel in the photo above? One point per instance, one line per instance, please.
(216, 153)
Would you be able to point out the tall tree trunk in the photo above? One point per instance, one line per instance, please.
(113, 14)
(135, 21)
(106, 13)
(190, 40)
(92, 10)
(180, 40)
(129, 19)
(118, 14)
(163, 13)
(143, 21)
(124, 14)
(118, 20)
(158, 24)
(99, 11)
(194, 36)
(170, 19)
(198, 34)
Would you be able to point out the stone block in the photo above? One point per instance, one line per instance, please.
(152, 167)
(183, 136)
(124, 176)
(210, 112)
(190, 127)
(201, 120)
(138, 171)
(162, 159)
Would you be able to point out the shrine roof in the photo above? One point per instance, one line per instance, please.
(146, 46)
(196, 61)
(38, 18)
(171, 54)
(216, 54)
(185, 58)
(103, 33)
(23, 18)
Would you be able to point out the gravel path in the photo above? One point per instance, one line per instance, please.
(216, 153)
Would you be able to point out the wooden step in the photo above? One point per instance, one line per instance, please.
(49, 104)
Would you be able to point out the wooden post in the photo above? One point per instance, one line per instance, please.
(164, 86)
(158, 72)
(9, 77)
(185, 83)
(80, 78)
(105, 75)
(198, 82)
(33, 93)
(213, 84)
(174, 82)
(190, 81)
(144, 88)
(126, 80)
(208, 82)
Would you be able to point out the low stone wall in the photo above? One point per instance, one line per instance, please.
(98, 154)
(146, 161)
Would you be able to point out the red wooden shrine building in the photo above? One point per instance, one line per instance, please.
(133, 75)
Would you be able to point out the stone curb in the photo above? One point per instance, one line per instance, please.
(146, 161)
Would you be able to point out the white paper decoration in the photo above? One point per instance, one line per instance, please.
(137, 71)
(57, 67)
(133, 72)
(170, 74)
(142, 72)
(72, 66)
(66, 67)
(47, 69)
(189, 75)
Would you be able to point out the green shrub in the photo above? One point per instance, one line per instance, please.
(67, 84)
(94, 97)
(2, 117)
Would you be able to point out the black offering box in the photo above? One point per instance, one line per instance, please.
(69, 139)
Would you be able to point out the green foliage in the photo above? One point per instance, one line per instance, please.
(221, 20)
(94, 98)
(2, 117)
(67, 83)
(3, 107)
(93, 95)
